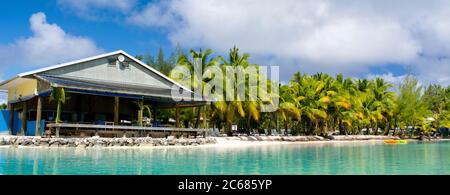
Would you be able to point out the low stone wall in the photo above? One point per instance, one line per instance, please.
(102, 142)
(313, 138)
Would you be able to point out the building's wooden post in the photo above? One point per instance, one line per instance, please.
(177, 117)
(24, 118)
(38, 116)
(116, 110)
(11, 118)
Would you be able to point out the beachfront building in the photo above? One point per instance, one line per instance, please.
(102, 93)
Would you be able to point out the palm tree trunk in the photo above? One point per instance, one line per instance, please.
(58, 112)
(335, 120)
(197, 121)
(277, 126)
(376, 128)
(286, 125)
(387, 128)
(367, 130)
(341, 128)
(305, 124)
(271, 122)
(308, 128)
(248, 123)
(317, 126)
(295, 127)
(395, 127)
(140, 116)
(219, 125)
(228, 130)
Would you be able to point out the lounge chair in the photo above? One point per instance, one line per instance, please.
(274, 132)
(216, 132)
(254, 132)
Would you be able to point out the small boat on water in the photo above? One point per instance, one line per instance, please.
(392, 141)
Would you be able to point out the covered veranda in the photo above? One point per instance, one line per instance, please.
(106, 109)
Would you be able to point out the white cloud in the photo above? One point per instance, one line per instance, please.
(152, 16)
(48, 45)
(431, 70)
(308, 30)
(389, 77)
(318, 35)
(85, 5)
(354, 41)
(97, 9)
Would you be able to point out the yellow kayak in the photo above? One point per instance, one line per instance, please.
(402, 141)
(391, 141)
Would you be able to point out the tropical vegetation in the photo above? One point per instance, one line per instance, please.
(59, 95)
(319, 104)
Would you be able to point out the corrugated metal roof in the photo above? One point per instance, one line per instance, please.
(105, 87)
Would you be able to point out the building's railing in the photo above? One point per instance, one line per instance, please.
(120, 127)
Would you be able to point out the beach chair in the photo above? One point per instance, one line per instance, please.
(218, 132)
(215, 132)
(274, 132)
(255, 132)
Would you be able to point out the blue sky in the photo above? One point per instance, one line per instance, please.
(107, 35)
(358, 38)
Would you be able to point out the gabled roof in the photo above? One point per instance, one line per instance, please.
(25, 74)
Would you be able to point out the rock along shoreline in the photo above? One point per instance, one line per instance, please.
(32, 141)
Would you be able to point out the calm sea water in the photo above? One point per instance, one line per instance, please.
(324, 158)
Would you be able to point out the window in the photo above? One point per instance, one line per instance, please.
(112, 62)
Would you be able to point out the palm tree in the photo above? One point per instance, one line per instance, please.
(227, 110)
(198, 60)
(340, 102)
(320, 103)
(58, 94)
(365, 105)
(288, 108)
(310, 98)
(143, 107)
(385, 101)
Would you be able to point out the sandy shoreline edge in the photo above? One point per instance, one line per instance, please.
(231, 142)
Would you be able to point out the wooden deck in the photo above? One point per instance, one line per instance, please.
(115, 129)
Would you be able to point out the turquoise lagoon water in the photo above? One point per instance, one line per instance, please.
(323, 158)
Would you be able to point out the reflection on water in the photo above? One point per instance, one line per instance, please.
(323, 158)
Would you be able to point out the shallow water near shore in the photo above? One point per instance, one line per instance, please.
(327, 158)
